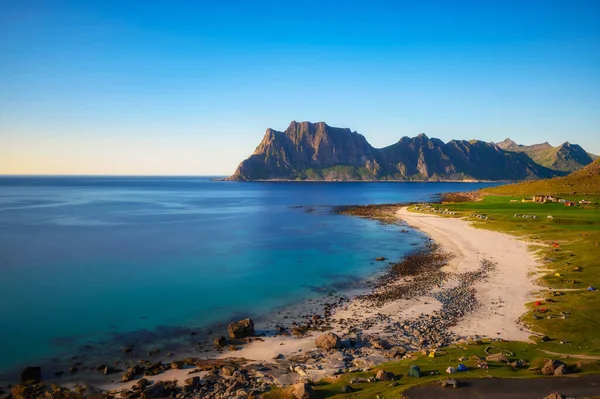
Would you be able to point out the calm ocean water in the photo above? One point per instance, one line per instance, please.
(83, 259)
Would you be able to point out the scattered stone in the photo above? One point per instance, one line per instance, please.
(551, 366)
(220, 342)
(378, 343)
(241, 329)
(156, 390)
(132, 372)
(328, 341)
(497, 357)
(450, 383)
(383, 375)
(561, 370)
(518, 364)
(177, 364)
(302, 390)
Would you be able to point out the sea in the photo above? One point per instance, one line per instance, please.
(87, 261)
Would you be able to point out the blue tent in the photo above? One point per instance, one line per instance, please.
(461, 367)
(415, 371)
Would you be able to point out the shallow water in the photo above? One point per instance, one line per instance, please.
(88, 259)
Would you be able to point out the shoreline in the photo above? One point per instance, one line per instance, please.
(369, 334)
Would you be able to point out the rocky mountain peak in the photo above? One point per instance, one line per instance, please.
(317, 151)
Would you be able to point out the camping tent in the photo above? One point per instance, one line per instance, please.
(450, 370)
(414, 371)
(462, 367)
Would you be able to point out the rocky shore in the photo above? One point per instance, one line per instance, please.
(412, 307)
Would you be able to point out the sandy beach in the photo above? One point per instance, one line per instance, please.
(504, 295)
(501, 297)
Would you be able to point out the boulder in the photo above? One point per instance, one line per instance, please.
(518, 364)
(132, 372)
(450, 383)
(227, 371)
(380, 344)
(497, 357)
(31, 375)
(551, 366)
(328, 341)
(347, 389)
(242, 328)
(155, 391)
(154, 369)
(561, 370)
(192, 381)
(177, 364)
(141, 384)
(302, 390)
(383, 375)
(220, 342)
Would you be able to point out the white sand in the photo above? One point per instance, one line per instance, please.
(503, 296)
(510, 286)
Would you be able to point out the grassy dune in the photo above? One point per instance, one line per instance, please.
(583, 182)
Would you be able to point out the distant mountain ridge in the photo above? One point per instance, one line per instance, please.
(566, 157)
(316, 151)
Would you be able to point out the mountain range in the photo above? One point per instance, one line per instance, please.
(566, 157)
(316, 151)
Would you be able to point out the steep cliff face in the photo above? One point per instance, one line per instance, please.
(566, 157)
(316, 151)
(310, 151)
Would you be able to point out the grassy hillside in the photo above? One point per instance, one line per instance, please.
(566, 157)
(576, 230)
(582, 182)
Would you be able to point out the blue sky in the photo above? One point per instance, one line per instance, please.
(189, 87)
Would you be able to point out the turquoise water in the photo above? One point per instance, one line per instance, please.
(91, 259)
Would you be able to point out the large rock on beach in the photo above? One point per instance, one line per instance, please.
(156, 390)
(242, 328)
(302, 390)
(31, 375)
(328, 341)
(220, 342)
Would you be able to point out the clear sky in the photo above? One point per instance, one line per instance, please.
(189, 87)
